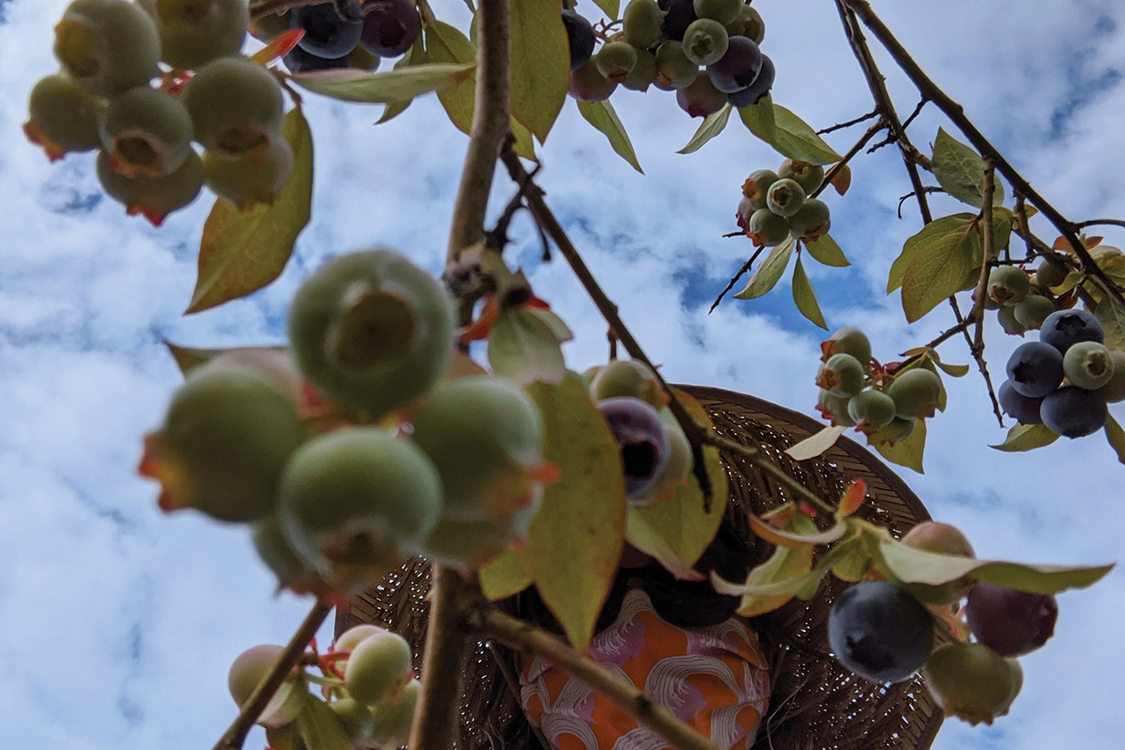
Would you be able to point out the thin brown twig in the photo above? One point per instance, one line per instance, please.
(1100, 222)
(988, 190)
(289, 658)
(766, 464)
(734, 279)
(848, 123)
(956, 113)
(855, 149)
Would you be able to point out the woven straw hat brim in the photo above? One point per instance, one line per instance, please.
(816, 704)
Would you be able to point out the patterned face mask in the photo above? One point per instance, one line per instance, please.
(714, 678)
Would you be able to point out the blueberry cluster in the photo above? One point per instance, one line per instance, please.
(110, 51)
(1022, 302)
(704, 50)
(854, 393)
(355, 35)
(1065, 379)
(776, 205)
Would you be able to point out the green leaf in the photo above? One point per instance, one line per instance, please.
(788, 134)
(540, 64)
(610, 7)
(907, 452)
(242, 251)
(681, 526)
(1116, 437)
(1026, 437)
(960, 171)
(913, 565)
(446, 44)
(947, 232)
(1112, 317)
(603, 117)
(576, 538)
(523, 347)
(805, 297)
(784, 565)
(815, 444)
(712, 125)
(188, 358)
(524, 144)
(825, 250)
(957, 371)
(351, 85)
(320, 727)
(855, 559)
(808, 536)
(769, 272)
(504, 576)
(416, 55)
(936, 271)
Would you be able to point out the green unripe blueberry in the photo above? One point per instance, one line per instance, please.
(673, 69)
(371, 330)
(275, 550)
(248, 181)
(1006, 316)
(842, 375)
(1008, 285)
(748, 23)
(1114, 390)
(916, 393)
(469, 545)
(808, 176)
(627, 377)
(701, 98)
(147, 132)
(1088, 365)
(643, 20)
(897, 430)
(785, 197)
(153, 198)
(1049, 275)
(723, 11)
(236, 106)
(1032, 310)
(834, 408)
(757, 185)
(811, 221)
(107, 46)
(587, 84)
(379, 665)
(248, 670)
(270, 26)
(194, 32)
(64, 117)
(394, 717)
(871, 409)
(943, 539)
(353, 636)
(705, 41)
(615, 60)
(971, 681)
(768, 228)
(848, 340)
(643, 73)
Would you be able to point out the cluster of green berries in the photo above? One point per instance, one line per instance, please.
(372, 696)
(1023, 301)
(776, 205)
(856, 391)
(1065, 379)
(350, 450)
(704, 50)
(655, 452)
(350, 35)
(883, 630)
(110, 53)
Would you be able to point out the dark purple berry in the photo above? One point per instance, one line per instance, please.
(761, 86)
(880, 632)
(738, 68)
(1063, 328)
(1035, 369)
(390, 27)
(1010, 622)
(680, 15)
(300, 60)
(639, 432)
(1023, 409)
(1074, 412)
(579, 37)
(327, 34)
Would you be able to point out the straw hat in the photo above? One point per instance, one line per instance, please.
(815, 703)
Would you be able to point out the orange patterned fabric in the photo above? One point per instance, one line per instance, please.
(714, 678)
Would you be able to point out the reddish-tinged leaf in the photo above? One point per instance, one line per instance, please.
(280, 46)
(782, 538)
(852, 498)
(842, 180)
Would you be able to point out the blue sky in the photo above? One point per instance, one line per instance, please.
(117, 624)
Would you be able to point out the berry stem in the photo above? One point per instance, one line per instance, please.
(293, 654)
(988, 191)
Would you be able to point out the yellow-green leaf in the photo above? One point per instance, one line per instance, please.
(446, 44)
(610, 7)
(1026, 437)
(815, 444)
(825, 250)
(946, 232)
(416, 55)
(540, 64)
(242, 251)
(524, 347)
(524, 144)
(711, 126)
(603, 117)
(682, 523)
(576, 538)
(785, 565)
(504, 576)
(188, 358)
(769, 272)
(321, 727)
(1116, 437)
(351, 85)
(960, 171)
(805, 297)
(1112, 317)
(907, 452)
(936, 271)
(784, 538)
(790, 135)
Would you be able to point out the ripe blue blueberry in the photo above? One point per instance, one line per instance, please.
(1063, 328)
(880, 632)
(1035, 369)
(1023, 409)
(1073, 412)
